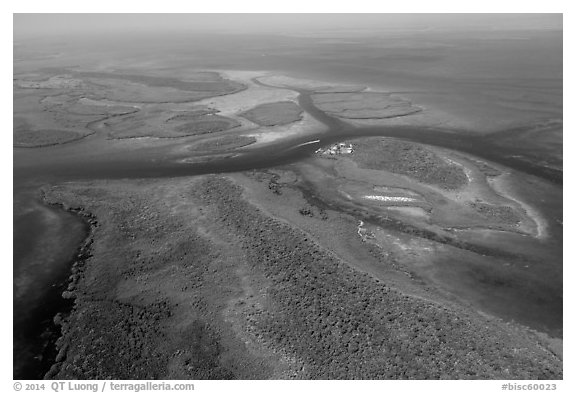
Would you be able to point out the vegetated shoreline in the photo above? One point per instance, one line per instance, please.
(258, 114)
(89, 126)
(57, 143)
(448, 242)
(215, 190)
(501, 185)
(81, 256)
(41, 329)
(88, 130)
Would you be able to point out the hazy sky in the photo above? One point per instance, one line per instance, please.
(46, 24)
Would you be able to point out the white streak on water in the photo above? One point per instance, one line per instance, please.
(308, 143)
(389, 198)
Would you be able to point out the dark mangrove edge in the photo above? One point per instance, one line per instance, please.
(81, 257)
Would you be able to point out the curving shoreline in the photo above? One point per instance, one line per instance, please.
(81, 257)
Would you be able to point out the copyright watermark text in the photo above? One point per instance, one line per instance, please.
(103, 386)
